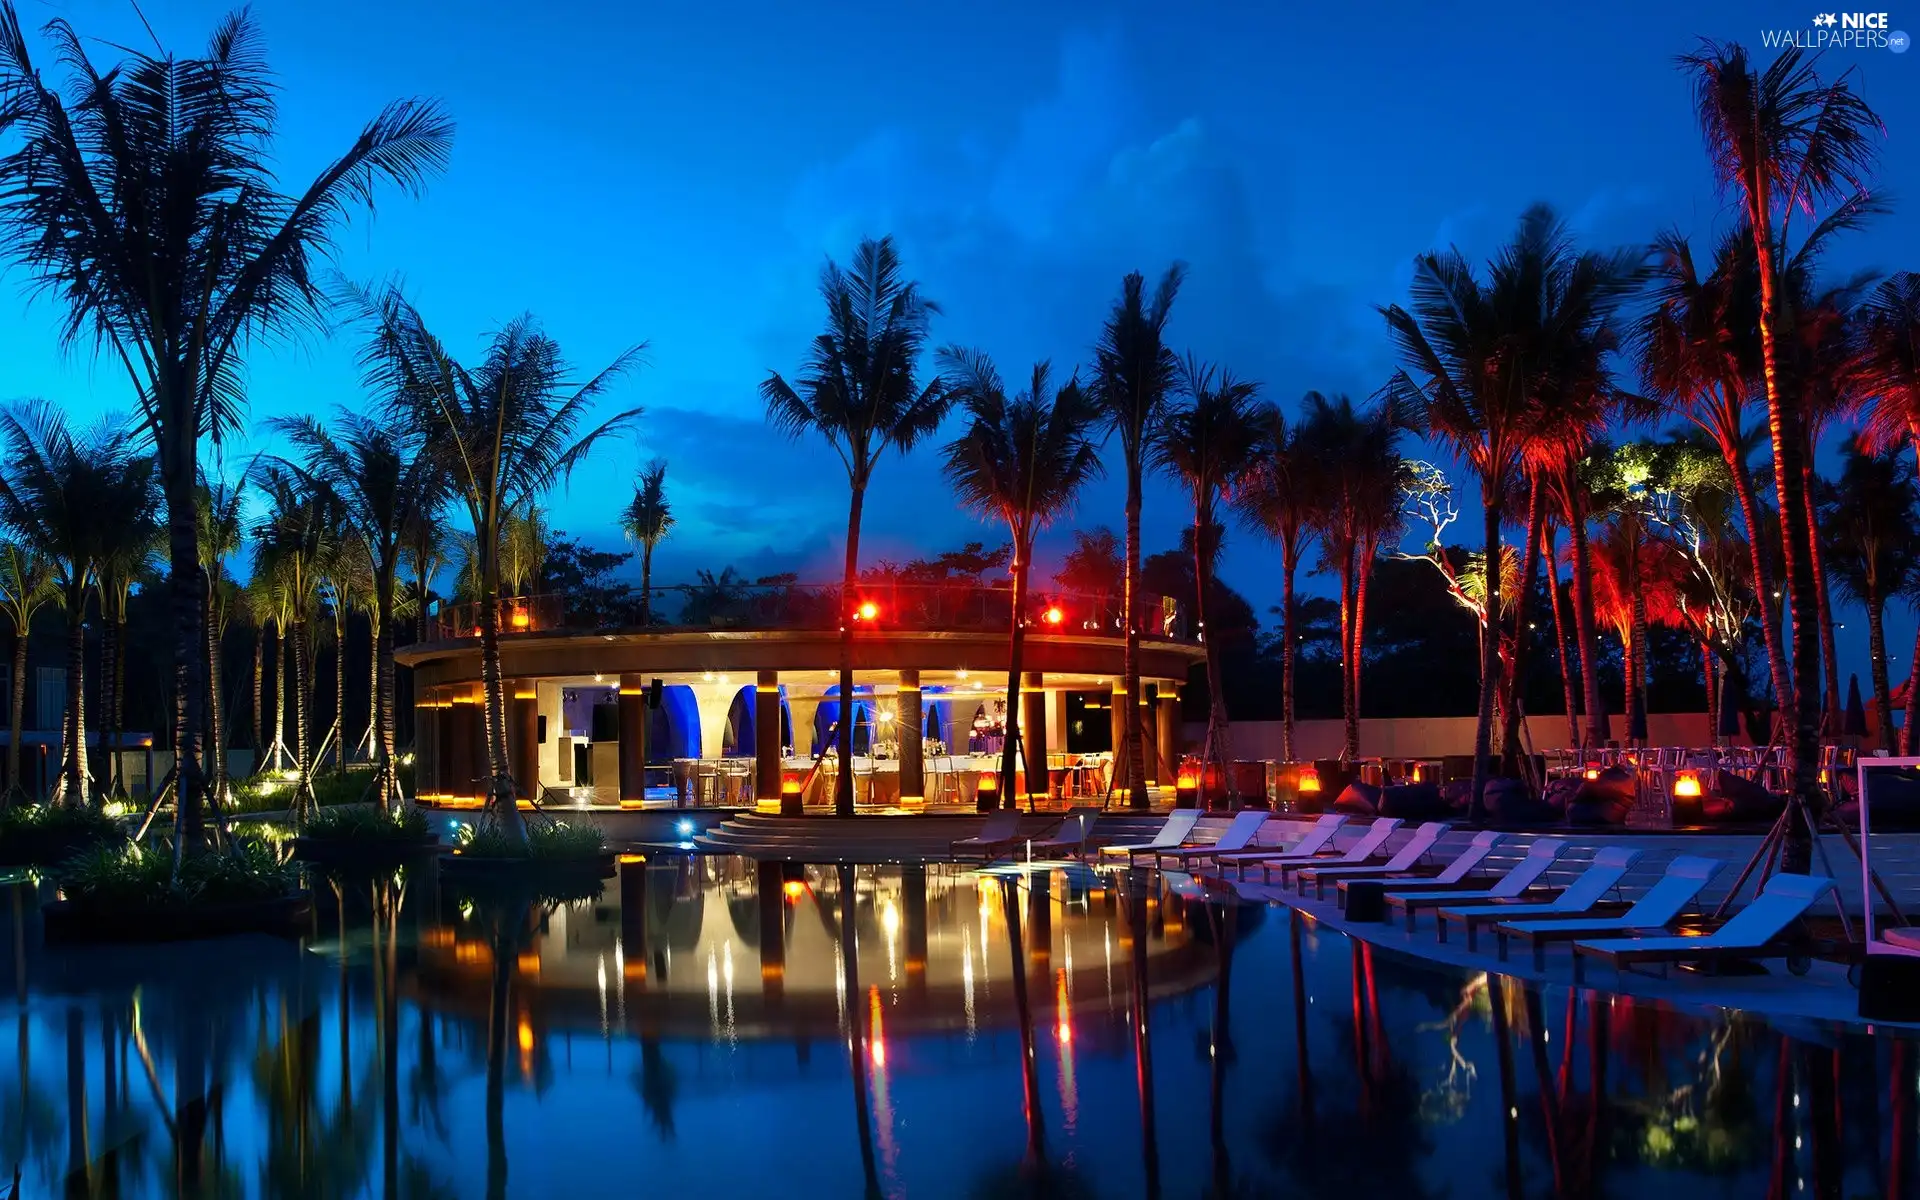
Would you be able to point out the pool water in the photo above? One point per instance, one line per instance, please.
(701, 1029)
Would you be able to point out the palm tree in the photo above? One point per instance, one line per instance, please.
(26, 585)
(264, 610)
(1282, 497)
(146, 204)
(858, 391)
(502, 433)
(647, 520)
(72, 497)
(1209, 440)
(523, 548)
(292, 543)
(1022, 460)
(1134, 372)
(386, 483)
(126, 561)
(1779, 140)
(1873, 549)
(1888, 363)
(221, 532)
(1360, 511)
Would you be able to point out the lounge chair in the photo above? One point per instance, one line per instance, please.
(1418, 847)
(1070, 839)
(1523, 875)
(1179, 824)
(1000, 832)
(1238, 835)
(1451, 877)
(1685, 877)
(1318, 839)
(1364, 850)
(1753, 933)
(1610, 864)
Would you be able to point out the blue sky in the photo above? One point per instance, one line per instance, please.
(676, 174)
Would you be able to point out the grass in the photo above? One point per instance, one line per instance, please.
(126, 877)
(273, 791)
(369, 824)
(554, 841)
(46, 834)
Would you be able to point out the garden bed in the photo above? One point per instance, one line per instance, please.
(45, 835)
(363, 836)
(130, 893)
(555, 850)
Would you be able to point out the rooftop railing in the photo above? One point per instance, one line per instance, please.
(918, 607)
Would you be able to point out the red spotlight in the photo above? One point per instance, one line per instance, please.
(1053, 614)
(867, 611)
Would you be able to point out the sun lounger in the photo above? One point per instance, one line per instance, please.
(1453, 876)
(996, 836)
(1347, 867)
(1238, 835)
(1179, 824)
(1753, 933)
(1318, 839)
(1070, 839)
(1685, 877)
(1610, 864)
(1365, 850)
(1523, 875)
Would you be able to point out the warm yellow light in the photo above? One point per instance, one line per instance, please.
(1593, 772)
(1310, 781)
(629, 859)
(1054, 615)
(989, 782)
(520, 618)
(868, 610)
(1188, 781)
(526, 1036)
(1686, 784)
(793, 889)
(879, 1036)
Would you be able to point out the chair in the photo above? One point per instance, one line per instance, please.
(1685, 877)
(1418, 847)
(1178, 825)
(1238, 835)
(1361, 851)
(1752, 934)
(1071, 838)
(1450, 876)
(1524, 874)
(1602, 875)
(1317, 839)
(999, 833)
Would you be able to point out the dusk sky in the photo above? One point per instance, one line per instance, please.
(676, 174)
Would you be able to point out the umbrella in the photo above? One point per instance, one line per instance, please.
(1731, 702)
(1637, 724)
(1856, 721)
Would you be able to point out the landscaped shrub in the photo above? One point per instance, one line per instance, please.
(129, 877)
(547, 841)
(368, 823)
(45, 834)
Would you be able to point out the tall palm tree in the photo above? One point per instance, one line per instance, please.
(1022, 460)
(127, 561)
(858, 390)
(293, 541)
(503, 432)
(72, 496)
(647, 520)
(145, 203)
(222, 530)
(1360, 512)
(1779, 140)
(386, 482)
(1873, 549)
(523, 548)
(1888, 364)
(1282, 497)
(1134, 371)
(26, 586)
(1209, 439)
(263, 604)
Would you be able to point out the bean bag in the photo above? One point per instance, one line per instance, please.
(1358, 799)
(1605, 800)
(1455, 793)
(1734, 799)
(1895, 797)
(1511, 802)
(1414, 802)
(1560, 793)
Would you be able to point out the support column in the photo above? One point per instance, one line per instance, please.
(1033, 736)
(766, 743)
(523, 738)
(1057, 719)
(1117, 713)
(1169, 731)
(633, 740)
(426, 747)
(1149, 737)
(908, 724)
(454, 750)
(477, 768)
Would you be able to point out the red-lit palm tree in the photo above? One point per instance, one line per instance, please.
(859, 390)
(1873, 549)
(1888, 366)
(1281, 497)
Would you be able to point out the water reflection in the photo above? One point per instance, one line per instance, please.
(1057, 1034)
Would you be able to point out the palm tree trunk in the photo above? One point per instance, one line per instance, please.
(383, 705)
(1877, 666)
(17, 715)
(1489, 654)
(259, 662)
(1713, 692)
(109, 637)
(1216, 704)
(843, 736)
(1909, 735)
(1290, 561)
(1637, 686)
(646, 583)
(503, 798)
(1517, 661)
(303, 798)
(1561, 650)
(216, 756)
(1763, 588)
(1363, 573)
(370, 734)
(1350, 734)
(1130, 763)
(1829, 655)
(1016, 646)
(1583, 627)
(339, 689)
(282, 661)
(73, 783)
(178, 463)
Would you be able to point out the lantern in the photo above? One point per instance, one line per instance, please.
(1186, 788)
(1593, 772)
(987, 795)
(1309, 782)
(521, 619)
(1686, 785)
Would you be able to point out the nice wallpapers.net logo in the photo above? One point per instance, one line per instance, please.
(1841, 31)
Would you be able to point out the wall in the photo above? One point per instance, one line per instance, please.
(1427, 737)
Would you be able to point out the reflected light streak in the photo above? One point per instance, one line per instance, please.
(1063, 1029)
(966, 981)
